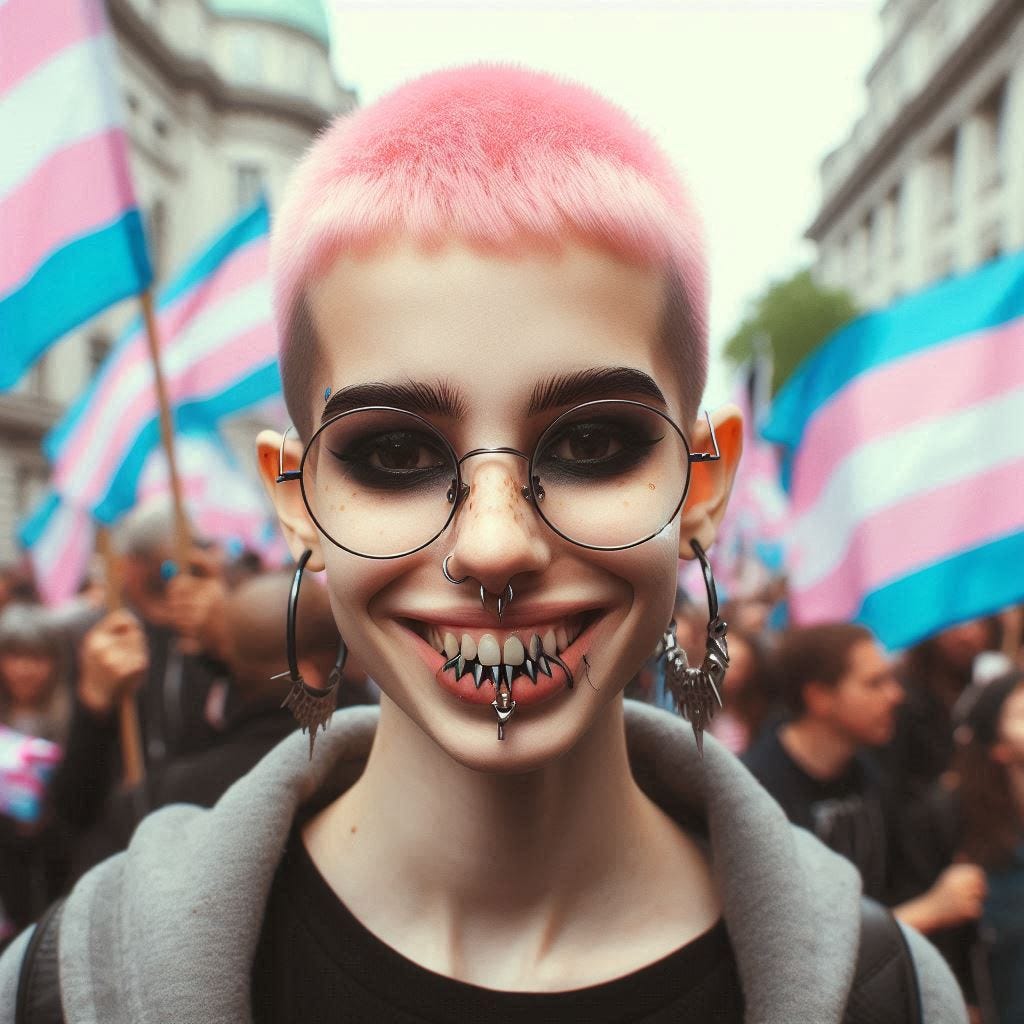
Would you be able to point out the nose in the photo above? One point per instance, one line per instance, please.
(498, 534)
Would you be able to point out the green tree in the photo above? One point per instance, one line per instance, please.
(794, 317)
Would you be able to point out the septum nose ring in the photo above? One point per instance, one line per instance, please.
(504, 598)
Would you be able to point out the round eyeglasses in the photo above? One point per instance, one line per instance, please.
(382, 482)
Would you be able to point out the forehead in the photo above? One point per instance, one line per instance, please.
(491, 324)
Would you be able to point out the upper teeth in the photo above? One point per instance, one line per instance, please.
(489, 649)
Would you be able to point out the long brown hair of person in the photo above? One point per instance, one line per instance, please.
(991, 820)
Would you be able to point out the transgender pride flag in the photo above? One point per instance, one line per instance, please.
(905, 461)
(218, 355)
(71, 240)
(60, 541)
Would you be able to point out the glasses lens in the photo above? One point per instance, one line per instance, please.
(610, 474)
(379, 482)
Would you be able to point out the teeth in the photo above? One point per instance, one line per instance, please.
(478, 674)
(451, 645)
(535, 647)
(513, 653)
(561, 640)
(488, 652)
(549, 642)
(468, 647)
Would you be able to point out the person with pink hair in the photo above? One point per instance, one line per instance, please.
(491, 291)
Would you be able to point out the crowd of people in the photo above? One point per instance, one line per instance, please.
(912, 768)
(196, 648)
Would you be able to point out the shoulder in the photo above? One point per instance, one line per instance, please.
(172, 922)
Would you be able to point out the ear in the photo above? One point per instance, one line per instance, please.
(818, 699)
(299, 530)
(710, 482)
(1000, 753)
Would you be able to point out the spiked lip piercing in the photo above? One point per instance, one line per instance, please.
(504, 660)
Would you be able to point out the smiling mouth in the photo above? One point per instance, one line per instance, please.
(502, 657)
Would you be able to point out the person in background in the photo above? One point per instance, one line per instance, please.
(34, 697)
(843, 696)
(935, 673)
(251, 638)
(975, 812)
(35, 701)
(137, 649)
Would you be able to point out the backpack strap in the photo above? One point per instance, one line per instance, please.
(885, 988)
(39, 979)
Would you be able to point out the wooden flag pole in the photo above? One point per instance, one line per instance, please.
(182, 533)
(133, 764)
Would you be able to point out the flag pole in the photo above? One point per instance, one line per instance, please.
(133, 766)
(182, 533)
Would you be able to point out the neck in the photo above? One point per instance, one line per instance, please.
(822, 751)
(484, 876)
(469, 834)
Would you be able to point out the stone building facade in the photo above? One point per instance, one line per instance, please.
(220, 98)
(930, 182)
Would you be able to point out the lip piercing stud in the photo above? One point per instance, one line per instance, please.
(503, 705)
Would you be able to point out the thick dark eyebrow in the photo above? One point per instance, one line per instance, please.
(438, 398)
(588, 385)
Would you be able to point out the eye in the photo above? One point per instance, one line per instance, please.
(400, 451)
(596, 449)
(586, 442)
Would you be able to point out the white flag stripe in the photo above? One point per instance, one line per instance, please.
(891, 469)
(80, 97)
(238, 313)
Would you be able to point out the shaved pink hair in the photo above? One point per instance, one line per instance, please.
(503, 159)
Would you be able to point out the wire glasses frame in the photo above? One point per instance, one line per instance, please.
(533, 491)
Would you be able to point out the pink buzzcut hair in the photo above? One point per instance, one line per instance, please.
(503, 159)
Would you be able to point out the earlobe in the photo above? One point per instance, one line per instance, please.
(299, 530)
(711, 482)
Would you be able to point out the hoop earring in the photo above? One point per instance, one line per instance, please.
(311, 707)
(697, 691)
(504, 598)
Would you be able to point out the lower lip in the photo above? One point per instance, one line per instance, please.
(524, 692)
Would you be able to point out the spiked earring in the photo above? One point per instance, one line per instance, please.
(697, 692)
(311, 707)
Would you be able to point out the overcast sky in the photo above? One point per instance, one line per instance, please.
(745, 95)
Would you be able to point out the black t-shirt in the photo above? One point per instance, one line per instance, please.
(316, 962)
(847, 813)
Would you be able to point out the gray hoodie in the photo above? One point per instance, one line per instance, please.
(167, 931)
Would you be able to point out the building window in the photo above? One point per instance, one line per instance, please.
(99, 349)
(944, 178)
(248, 184)
(30, 484)
(992, 122)
(894, 205)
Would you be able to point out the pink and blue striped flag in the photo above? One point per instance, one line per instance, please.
(218, 355)
(71, 238)
(60, 540)
(224, 503)
(904, 438)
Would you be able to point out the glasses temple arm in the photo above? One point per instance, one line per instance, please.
(283, 474)
(715, 454)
